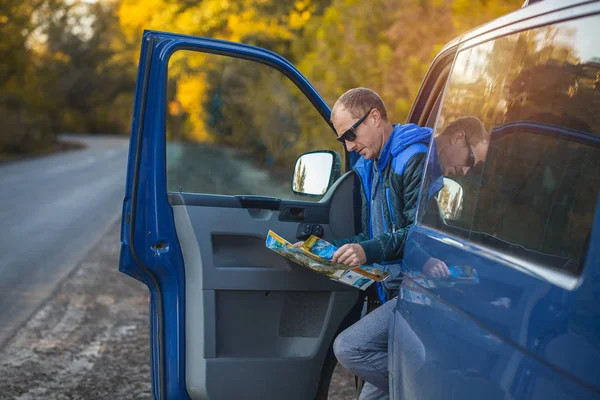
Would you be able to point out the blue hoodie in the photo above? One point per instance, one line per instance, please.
(399, 171)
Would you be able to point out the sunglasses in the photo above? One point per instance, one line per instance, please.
(471, 160)
(350, 134)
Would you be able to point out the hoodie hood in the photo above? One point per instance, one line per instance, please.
(403, 136)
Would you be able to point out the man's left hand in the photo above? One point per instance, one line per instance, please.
(351, 254)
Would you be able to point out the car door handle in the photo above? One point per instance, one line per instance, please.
(294, 214)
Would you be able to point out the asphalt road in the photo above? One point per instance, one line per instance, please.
(52, 211)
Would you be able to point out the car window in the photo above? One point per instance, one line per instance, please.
(236, 127)
(532, 189)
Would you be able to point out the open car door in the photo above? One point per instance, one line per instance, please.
(217, 127)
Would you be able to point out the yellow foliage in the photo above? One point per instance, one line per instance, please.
(135, 15)
(62, 57)
(234, 20)
(384, 53)
(191, 95)
(383, 44)
(298, 19)
(175, 109)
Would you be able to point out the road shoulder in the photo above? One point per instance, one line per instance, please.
(90, 339)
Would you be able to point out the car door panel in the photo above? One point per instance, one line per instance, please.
(232, 242)
(271, 316)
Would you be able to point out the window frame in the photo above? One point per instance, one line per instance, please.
(433, 86)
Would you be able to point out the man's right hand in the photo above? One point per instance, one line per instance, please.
(351, 254)
(436, 268)
(297, 245)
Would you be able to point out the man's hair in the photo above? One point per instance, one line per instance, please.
(358, 102)
(472, 127)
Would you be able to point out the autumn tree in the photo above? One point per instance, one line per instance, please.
(70, 65)
(300, 177)
(25, 128)
(61, 72)
(386, 45)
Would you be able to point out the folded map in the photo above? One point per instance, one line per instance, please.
(316, 254)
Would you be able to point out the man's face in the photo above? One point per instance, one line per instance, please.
(368, 140)
(457, 155)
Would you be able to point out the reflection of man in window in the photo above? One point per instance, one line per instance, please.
(455, 151)
(461, 145)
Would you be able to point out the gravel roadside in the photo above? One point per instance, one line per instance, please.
(91, 341)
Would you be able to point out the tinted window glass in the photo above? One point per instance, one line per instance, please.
(236, 127)
(536, 151)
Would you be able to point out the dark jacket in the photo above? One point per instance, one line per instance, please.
(401, 164)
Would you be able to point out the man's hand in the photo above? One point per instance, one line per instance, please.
(436, 268)
(351, 254)
(297, 245)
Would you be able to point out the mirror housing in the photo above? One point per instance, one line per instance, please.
(450, 200)
(315, 172)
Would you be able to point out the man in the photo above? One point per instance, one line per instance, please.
(390, 170)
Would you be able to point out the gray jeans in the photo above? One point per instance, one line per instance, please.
(363, 350)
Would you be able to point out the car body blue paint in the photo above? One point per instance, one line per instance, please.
(510, 334)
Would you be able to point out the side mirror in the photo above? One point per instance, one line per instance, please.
(450, 200)
(315, 172)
